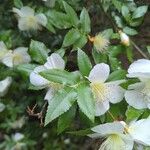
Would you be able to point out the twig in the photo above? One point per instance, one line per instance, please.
(139, 50)
(39, 115)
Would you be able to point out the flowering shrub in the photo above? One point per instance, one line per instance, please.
(63, 74)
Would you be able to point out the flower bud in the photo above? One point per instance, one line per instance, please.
(124, 38)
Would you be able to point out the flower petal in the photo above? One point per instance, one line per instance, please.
(115, 92)
(36, 79)
(41, 18)
(49, 95)
(135, 99)
(139, 68)
(109, 128)
(2, 46)
(101, 107)
(23, 54)
(139, 131)
(22, 24)
(99, 73)
(55, 62)
(4, 85)
(8, 59)
(27, 11)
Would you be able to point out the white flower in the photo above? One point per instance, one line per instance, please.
(104, 92)
(139, 131)
(124, 38)
(115, 137)
(27, 20)
(3, 50)
(18, 136)
(16, 57)
(53, 62)
(138, 94)
(4, 85)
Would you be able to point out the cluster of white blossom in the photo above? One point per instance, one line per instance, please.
(120, 136)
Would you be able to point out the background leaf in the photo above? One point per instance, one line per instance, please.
(38, 51)
(84, 63)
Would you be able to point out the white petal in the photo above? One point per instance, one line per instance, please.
(17, 11)
(117, 142)
(101, 107)
(41, 18)
(135, 99)
(136, 86)
(23, 54)
(95, 135)
(4, 85)
(3, 50)
(115, 93)
(27, 11)
(49, 95)
(99, 73)
(55, 62)
(36, 79)
(8, 59)
(2, 46)
(139, 66)
(109, 128)
(139, 131)
(22, 24)
(128, 142)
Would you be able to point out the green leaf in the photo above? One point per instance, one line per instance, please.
(60, 76)
(117, 75)
(80, 42)
(59, 104)
(133, 114)
(117, 4)
(86, 101)
(125, 12)
(148, 49)
(119, 21)
(71, 37)
(71, 14)
(66, 119)
(84, 63)
(107, 33)
(18, 3)
(26, 69)
(38, 51)
(85, 21)
(81, 132)
(129, 52)
(98, 58)
(58, 19)
(50, 27)
(140, 12)
(130, 31)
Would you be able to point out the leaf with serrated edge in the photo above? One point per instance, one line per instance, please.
(59, 104)
(86, 101)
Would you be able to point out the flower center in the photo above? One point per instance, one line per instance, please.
(31, 21)
(55, 86)
(99, 90)
(113, 142)
(17, 58)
